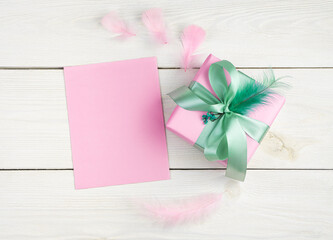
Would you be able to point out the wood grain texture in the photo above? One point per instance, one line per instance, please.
(248, 33)
(274, 204)
(34, 129)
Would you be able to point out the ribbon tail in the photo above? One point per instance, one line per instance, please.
(215, 139)
(254, 128)
(237, 149)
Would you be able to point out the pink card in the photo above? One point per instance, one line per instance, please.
(116, 123)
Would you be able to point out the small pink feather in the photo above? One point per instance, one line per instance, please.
(192, 38)
(114, 24)
(186, 211)
(153, 19)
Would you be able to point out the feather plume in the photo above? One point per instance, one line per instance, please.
(114, 24)
(154, 21)
(252, 94)
(192, 38)
(186, 211)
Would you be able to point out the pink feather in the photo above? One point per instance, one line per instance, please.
(187, 211)
(192, 38)
(153, 19)
(114, 24)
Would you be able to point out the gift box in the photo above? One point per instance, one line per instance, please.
(189, 124)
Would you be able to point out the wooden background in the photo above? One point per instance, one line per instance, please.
(288, 193)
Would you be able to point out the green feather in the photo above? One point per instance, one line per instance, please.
(252, 94)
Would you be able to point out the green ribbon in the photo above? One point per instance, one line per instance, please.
(224, 137)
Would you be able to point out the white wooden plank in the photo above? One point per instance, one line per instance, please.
(34, 130)
(275, 204)
(249, 33)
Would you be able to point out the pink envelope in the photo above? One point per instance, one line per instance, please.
(189, 124)
(116, 123)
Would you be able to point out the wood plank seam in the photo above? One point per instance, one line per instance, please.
(164, 68)
(178, 169)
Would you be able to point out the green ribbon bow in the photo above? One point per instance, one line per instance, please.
(224, 137)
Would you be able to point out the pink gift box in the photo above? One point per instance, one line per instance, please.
(189, 124)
